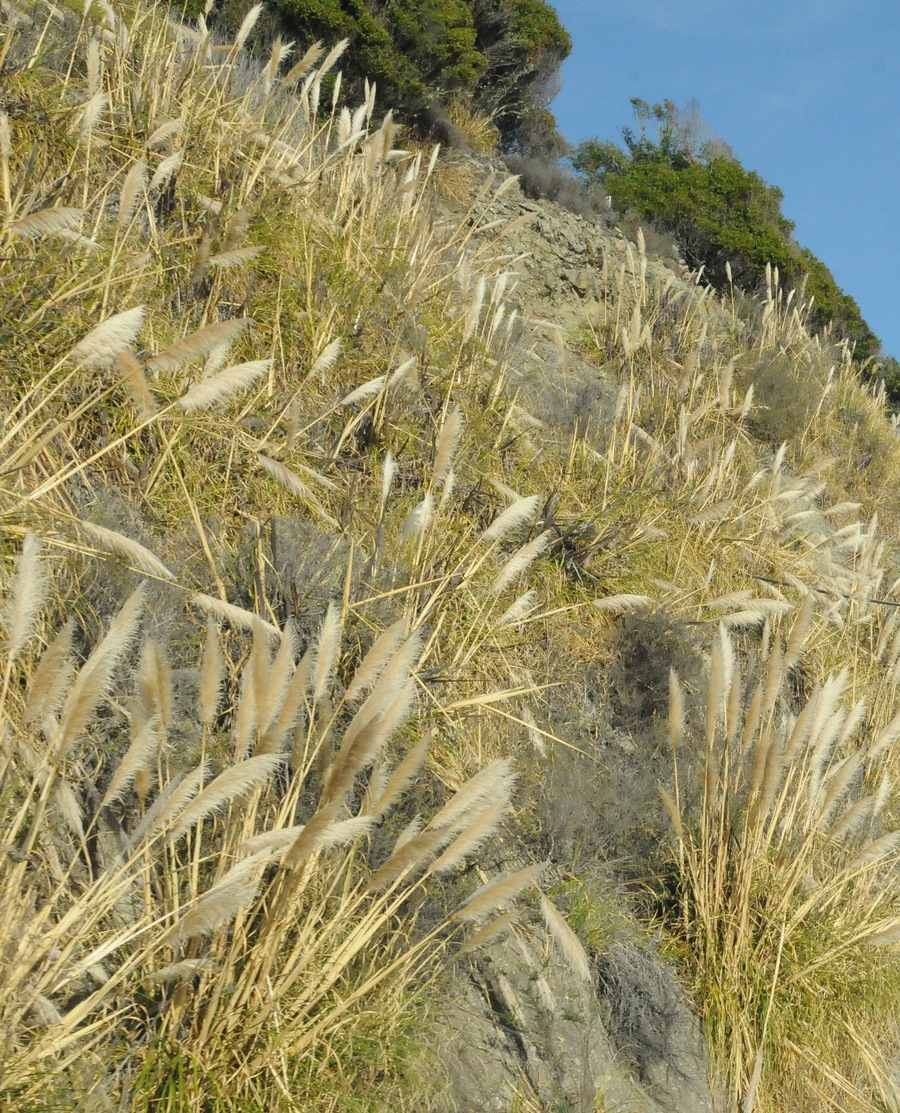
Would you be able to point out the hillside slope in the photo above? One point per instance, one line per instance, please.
(401, 577)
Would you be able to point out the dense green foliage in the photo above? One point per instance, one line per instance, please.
(724, 217)
(500, 56)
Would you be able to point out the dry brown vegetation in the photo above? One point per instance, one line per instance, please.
(311, 578)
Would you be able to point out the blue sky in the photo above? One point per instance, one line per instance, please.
(807, 92)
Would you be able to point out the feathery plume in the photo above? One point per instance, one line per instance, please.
(367, 390)
(165, 170)
(52, 677)
(92, 112)
(402, 777)
(236, 257)
(104, 342)
(326, 357)
(569, 945)
(501, 890)
(289, 478)
(521, 511)
(495, 780)
(615, 604)
(93, 680)
(327, 651)
(333, 55)
(236, 781)
(467, 843)
(517, 610)
(219, 388)
(45, 223)
(875, 851)
(446, 445)
(165, 131)
(490, 931)
(136, 383)
(199, 343)
(169, 804)
(799, 630)
(126, 547)
(418, 519)
(28, 593)
(212, 675)
(139, 756)
(373, 664)
(233, 615)
(388, 470)
(305, 64)
(520, 561)
(247, 25)
(179, 971)
(131, 187)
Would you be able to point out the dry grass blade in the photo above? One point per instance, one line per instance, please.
(127, 548)
(102, 344)
(28, 594)
(219, 388)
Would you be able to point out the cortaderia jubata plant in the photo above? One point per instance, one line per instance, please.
(213, 928)
(787, 863)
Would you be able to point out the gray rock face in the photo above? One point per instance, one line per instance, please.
(522, 1026)
(521, 1030)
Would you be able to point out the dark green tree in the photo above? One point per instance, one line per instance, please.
(500, 56)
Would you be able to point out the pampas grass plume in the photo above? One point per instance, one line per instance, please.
(326, 357)
(471, 839)
(219, 388)
(52, 676)
(127, 548)
(501, 890)
(233, 615)
(247, 25)
(104, 342)
(305, 64)
(236, 781)
(28, 593)
(136, 382)
(131, 187)
(567, 942)
(520, 562)
(165, 170)
(45, 222)
(521, 511)
(327, 650)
